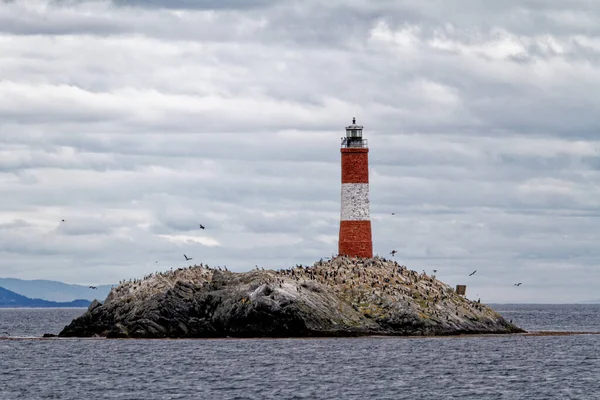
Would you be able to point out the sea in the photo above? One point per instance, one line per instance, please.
(465, 367)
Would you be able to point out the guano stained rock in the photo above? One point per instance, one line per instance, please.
(340, 297)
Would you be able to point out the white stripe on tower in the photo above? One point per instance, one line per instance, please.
(355, 202)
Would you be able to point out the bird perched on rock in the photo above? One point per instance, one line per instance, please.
(187, 258)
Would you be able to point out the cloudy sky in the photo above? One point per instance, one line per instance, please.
(136, 120)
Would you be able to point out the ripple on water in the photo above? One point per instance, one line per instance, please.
(532, 367)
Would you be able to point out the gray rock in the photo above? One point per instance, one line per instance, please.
(341, 297)
(94, 304)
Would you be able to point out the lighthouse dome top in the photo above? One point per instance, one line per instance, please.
(354, 126)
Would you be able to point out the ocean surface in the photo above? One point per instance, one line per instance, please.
(478, 367)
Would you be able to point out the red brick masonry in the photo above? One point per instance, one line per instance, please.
(355, 165)
(355, 239)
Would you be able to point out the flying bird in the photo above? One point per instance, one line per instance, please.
(187, 258)
(93, 287)
(434, 271)
(393, 253)
(201, 226)
(518, 284)
(62, 220)
(472, 273)
(393, 213)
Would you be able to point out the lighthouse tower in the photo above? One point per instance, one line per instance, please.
(355, 224)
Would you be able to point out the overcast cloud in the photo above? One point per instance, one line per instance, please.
(137, 120)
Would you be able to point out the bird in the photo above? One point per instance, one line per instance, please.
(62, 220)
(187, 258)
(518, 284)
(393, 213)
(201, 226)
(472, 273)
(155, 262)
(434, 271)
(393, 253)
(93, 287)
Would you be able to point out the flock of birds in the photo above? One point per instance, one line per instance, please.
(393, 253)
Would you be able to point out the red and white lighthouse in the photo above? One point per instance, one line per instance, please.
(355, 224)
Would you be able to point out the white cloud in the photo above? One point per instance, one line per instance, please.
(186, 239)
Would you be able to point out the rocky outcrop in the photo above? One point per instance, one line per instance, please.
(339, 297)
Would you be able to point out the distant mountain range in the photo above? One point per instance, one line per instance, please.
(53, 290)
(12, 299)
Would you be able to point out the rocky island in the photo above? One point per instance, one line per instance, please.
(338, 297)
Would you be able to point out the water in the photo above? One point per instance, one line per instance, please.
(553, 317)
(499, 367)
(34, 322)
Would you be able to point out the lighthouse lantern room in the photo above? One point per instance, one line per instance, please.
(354, 136)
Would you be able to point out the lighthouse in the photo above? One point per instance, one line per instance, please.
(355, 223)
